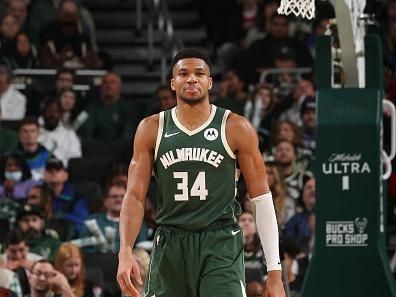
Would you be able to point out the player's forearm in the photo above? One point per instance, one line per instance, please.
(131, 217)
(267, 229)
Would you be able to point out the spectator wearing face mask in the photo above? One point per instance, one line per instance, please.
(15, 177)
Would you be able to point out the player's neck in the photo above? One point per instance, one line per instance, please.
(193, 116)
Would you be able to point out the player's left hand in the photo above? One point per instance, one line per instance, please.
(274, 285)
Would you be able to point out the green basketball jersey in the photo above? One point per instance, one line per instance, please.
(195, 171)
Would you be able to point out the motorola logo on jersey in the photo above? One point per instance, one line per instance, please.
(211, 134)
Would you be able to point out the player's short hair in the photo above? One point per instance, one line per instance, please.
(190, 53)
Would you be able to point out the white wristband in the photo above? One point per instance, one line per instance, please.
(267, 229)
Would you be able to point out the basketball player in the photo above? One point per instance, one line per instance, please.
(193, 149)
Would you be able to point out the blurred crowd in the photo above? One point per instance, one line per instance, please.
(65, 153)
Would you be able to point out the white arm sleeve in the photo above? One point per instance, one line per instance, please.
(267, 229)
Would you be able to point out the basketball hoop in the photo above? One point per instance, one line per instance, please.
(303, 8)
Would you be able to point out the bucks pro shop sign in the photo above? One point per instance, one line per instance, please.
(347, 233)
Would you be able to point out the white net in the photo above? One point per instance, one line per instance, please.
(303, 8)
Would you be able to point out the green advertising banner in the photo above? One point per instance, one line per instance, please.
(349, 258)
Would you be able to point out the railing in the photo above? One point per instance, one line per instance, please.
(158, 14)
(279, 71)
(283, 79)
(84, 78)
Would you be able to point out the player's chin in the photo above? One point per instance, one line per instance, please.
(193, 99)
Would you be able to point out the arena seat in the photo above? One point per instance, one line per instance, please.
(119, 150)
(91, 191)
(88, 169)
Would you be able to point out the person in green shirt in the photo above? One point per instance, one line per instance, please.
(30, 220)
(111, 117)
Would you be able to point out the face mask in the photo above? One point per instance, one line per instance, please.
(13, 175)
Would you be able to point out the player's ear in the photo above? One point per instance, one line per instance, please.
(210, 83)
(172, 84)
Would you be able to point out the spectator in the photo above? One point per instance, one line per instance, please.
(285, 81)
(15, 177)
(23, 55)
(86, 22)
(260, 106)
(286, 130)
(262, 53)
(18, 9)
(235, 97)
(16, 252)
(9, 281)
(69, 262)
(30, 220)
(67, 204)
(111, 117)
(34, 153)
(64, 78)
(62, 142)
(308, 117)
(284, 207)
(100, 233)
(12, 102)
(255, 269)
(299, 226)
(18, 258)
(65, 45)
(164, 98)
(9, 28)
(285, 157)
(70, 110)
(290, 107)
(44, 197)
(263, 22)
(46, 281)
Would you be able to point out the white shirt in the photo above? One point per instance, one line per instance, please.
(62, 142)
(12, 105)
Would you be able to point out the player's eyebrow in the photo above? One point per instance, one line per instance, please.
(196, 69)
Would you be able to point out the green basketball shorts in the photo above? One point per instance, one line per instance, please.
(207, 263)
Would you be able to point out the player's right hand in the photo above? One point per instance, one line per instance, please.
(128, 269)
